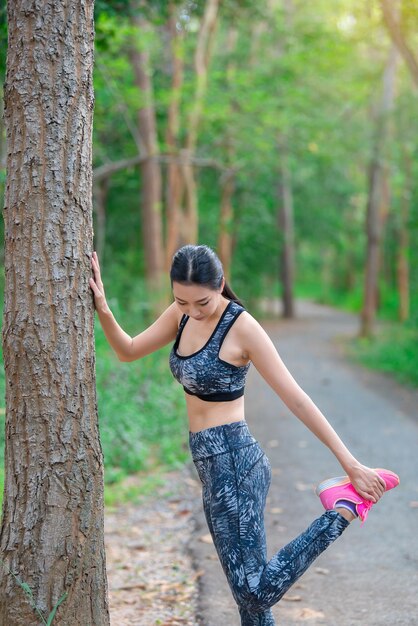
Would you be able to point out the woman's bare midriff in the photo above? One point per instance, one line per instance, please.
(209, 414)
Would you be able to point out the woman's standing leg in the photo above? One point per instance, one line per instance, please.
(223, 523)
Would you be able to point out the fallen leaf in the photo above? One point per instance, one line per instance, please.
(273, 443)
(206, 538)
(198, 575)
(183, 512)
(138, 546)
(276, 510)
(307, 613)
(292, 598)
(321, 570)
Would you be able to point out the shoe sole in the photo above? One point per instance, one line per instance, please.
(331, 482)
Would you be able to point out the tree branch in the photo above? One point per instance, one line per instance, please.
(398, 39)
(106, 170)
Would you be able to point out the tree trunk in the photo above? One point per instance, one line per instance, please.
(51, 534)
(395, 33)
(285, 197)
(403, 244)
(225, 223)
(151, 185)
(285, 218)
(378, 198)
(202, 60)
(174, 177)
(226, 220)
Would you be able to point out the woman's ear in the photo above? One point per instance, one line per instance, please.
(221, 288)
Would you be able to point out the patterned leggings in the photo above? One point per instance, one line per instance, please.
(235, 474)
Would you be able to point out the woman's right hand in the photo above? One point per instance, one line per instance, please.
(97, 285)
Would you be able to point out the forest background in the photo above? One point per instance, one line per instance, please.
(282, 133)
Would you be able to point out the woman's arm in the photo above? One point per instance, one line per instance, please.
(260, 349)
(161, 332)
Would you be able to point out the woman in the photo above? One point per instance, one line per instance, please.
(215, 340)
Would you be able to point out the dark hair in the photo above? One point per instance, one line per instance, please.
(200, 265)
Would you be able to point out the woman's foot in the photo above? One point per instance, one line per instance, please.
(346, 512)
(338, 493)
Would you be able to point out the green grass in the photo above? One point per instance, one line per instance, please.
(141, 413)
(349, 301)
(393, 350)
(135, 488)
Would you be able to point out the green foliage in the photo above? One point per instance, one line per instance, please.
(307, 80)
(3, 39)
(141, 407)
(393, 350)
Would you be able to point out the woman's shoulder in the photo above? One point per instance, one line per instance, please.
(245, 322)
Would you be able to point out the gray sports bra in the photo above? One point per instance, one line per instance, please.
(203, 373)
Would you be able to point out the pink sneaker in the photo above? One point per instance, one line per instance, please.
(339, 488)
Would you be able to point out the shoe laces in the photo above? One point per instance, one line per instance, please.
(363, 510)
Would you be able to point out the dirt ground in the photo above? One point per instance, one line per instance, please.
(151, 576)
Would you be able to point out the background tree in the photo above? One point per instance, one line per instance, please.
(52, 526)
(150, 167)
(391, 18)
(378, 200)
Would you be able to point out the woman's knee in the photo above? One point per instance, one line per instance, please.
(250, 601)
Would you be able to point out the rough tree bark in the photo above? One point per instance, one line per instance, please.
(51, 534)
(151, 182)
(378, 197)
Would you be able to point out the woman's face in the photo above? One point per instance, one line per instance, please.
(196, 301)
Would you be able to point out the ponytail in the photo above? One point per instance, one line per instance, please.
(230, 295)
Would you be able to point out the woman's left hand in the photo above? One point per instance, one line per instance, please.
(367, 482)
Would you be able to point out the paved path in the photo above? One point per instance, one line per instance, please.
(369, 577)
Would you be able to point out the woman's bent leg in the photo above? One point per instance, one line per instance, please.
(234, 511)
(235, 485)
